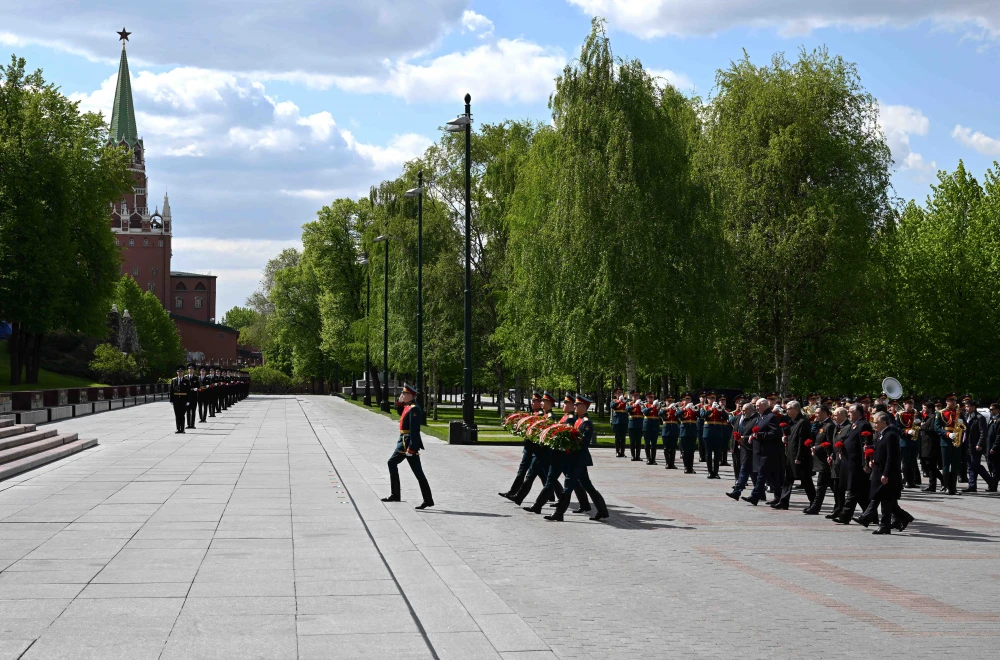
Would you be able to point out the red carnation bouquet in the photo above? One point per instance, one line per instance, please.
(826, 445)
(561, 437)
(755, 429)
(736, 437)
(511, 421)
(866, 436)
(809, 442)
(839, 445)
(535, 428)
(869, 454)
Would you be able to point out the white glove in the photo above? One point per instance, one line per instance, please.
(689, 406)
(951, 436)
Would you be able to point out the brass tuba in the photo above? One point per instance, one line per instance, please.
(959, 431)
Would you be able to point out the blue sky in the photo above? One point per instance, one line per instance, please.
(254, 120)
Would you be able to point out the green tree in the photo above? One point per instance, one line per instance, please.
(800, 174)
(58, 177)
(160, 343)
(113, 366)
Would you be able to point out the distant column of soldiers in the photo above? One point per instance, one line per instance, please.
(206, 393)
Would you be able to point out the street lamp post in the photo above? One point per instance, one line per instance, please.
(418, 192)
(385, 327)
(464, 123)
(368, 353)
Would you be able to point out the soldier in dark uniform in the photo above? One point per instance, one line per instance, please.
(946, 425)
(702, 399)
(822, 452)
(180, 387)
(852, 472)
(528, 450)
(192, 397)
(619, 421)
(411, 416)
(577, 463)
(908, 423)
(715, 421)
(975, 439)
(635, 421)
(541, 464)
(929, 443)
(203, 387)
(210, 393)
(669, 431)
(650, 426)
(688, 434)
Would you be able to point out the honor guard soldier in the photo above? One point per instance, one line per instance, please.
(192, 397)
(527, 452)
(948, 425)
(650, 426)
(619, 421)
(688, 433)
(577, 462)
(540, 464)
(716, 421)
(203, 393)
(635, 421)
(670, 431)
(180, 388)
(408, 447)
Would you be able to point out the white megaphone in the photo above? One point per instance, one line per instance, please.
(892, 388)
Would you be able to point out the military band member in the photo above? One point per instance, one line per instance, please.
(180, 387)
(822, 456)
(408, 447)
(946, 424)
(908, 423)
(670, 431)
(577, 463)
(688, 433)
(650, 426)
(635, 421)
(192, 397)
(975, 439)
(619, 421)
(715, 421)
(929, 443)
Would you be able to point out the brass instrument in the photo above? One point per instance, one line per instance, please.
(959, 431)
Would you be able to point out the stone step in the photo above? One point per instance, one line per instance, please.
(26, 438)
(6, 422)
(13, 468)
(15, 429)
(15, 453)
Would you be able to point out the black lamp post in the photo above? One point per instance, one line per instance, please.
(464, 123)
(418, 192)
(368, 353)
(385, 327)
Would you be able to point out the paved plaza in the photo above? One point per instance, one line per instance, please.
(262, 535)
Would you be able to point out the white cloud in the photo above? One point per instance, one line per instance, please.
(401, 148)
(678, 80)
(981, 142)
(508, 70)
(476, 23)
(344, 37)
(898, 123)
(656, 18)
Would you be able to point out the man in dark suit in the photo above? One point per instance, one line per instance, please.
(852, 472)
(993, 441)
(975, 437)
(822, 451)
(411, 416)
(798, 458)
(766, 435)
(929, 445)
(886, 481)
(743, 423)
(841, 429)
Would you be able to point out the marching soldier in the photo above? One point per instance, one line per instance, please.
(408, 447)
(180, 388)
(688, 434)
(635, 421)
(192, 396)
(528, 450)
(619, 421)
(947, 425)
(211, 398)
(577, 463)
(670, 431)
(203, 388)
(541, 463)
(650, 427)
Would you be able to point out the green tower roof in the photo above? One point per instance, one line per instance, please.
(123, 114)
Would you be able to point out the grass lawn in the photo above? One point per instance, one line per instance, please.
(46, 379)
(490, 425)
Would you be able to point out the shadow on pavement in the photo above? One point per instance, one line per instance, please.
(928, 530)
(625, 517)
(466, 513)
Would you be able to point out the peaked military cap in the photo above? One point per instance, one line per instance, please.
(547, 396)
(409, 388)
(582, 398)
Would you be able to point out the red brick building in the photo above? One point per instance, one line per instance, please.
(144, 237)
